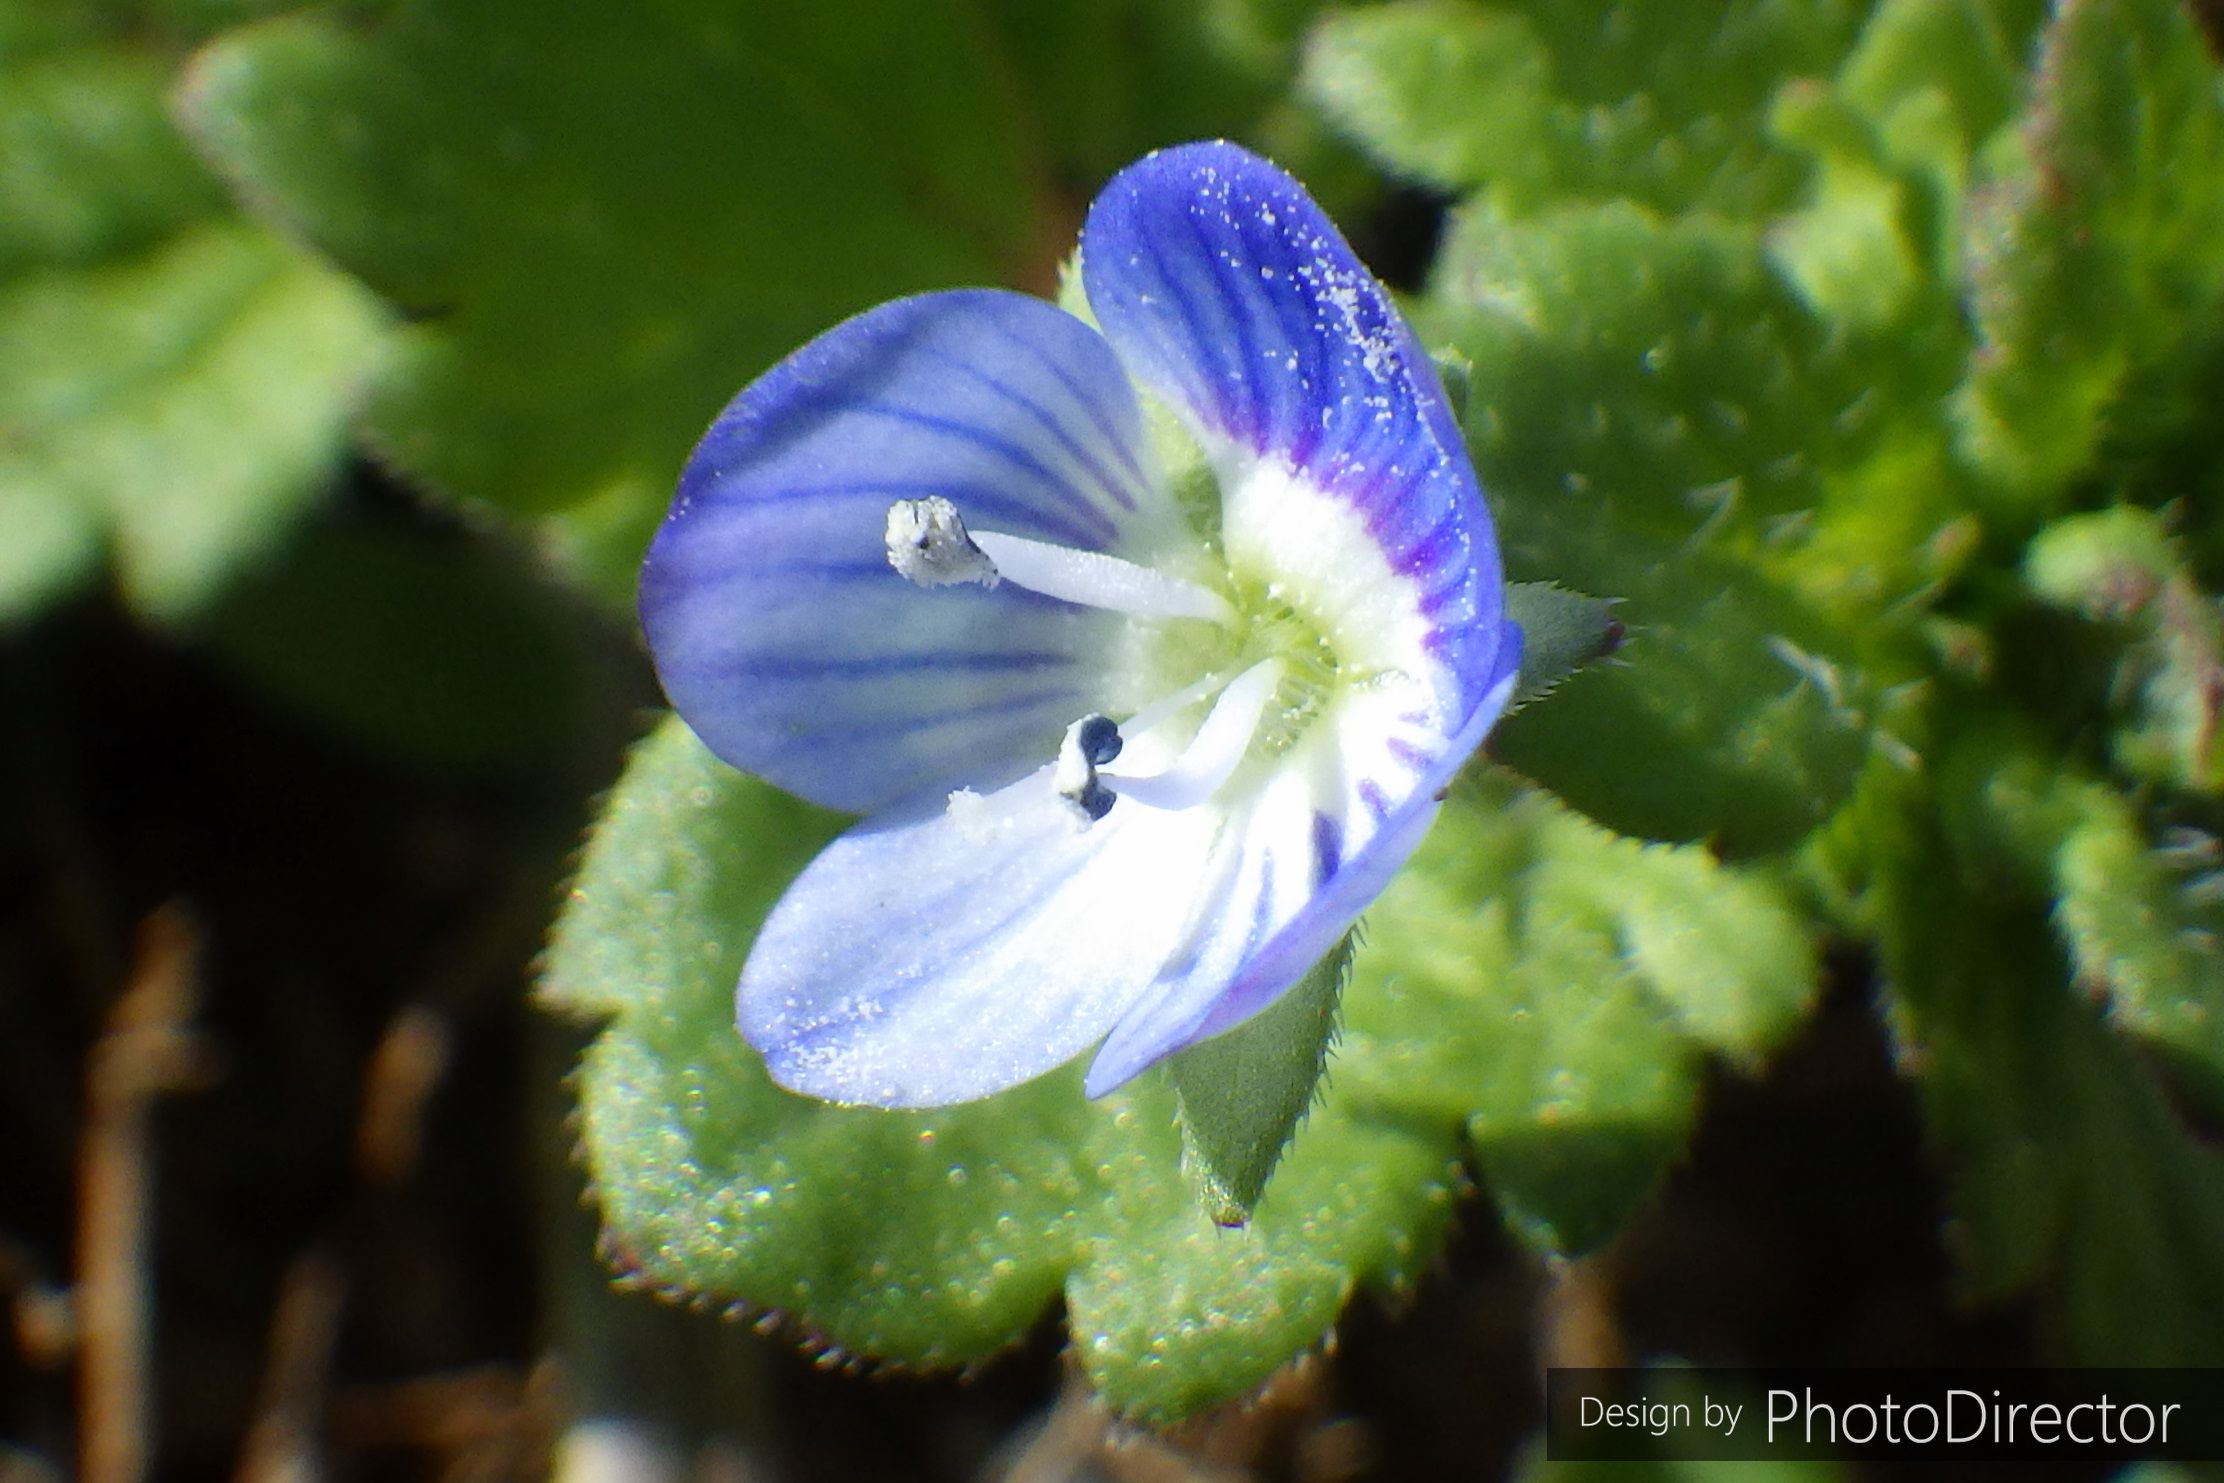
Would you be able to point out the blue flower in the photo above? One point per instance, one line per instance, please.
(1135, 747)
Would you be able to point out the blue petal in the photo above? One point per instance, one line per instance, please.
(1289, 876)
(778, 628)
(1226, 291)
(944, 957)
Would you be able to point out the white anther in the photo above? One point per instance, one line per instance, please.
(928, 544)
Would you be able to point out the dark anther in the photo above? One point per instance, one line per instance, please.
(1100, 741)
(1096, 800)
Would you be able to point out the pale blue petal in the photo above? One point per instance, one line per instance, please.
(1227, 292)
(778, 628)
(952, 955)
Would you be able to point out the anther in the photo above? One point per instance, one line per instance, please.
(1090, 743)
(1099, 738)
(928, 544)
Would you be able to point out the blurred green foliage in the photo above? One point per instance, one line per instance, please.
(174, 381)
(598, 221)
(1869, 353)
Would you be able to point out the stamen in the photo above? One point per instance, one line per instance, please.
(1217, 749)
(928, 543)
(1090, 742)
(1150, 717)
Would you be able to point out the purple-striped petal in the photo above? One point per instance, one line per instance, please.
(952, 954)
(1225, 290)
(777, 626)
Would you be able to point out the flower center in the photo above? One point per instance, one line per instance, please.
(1266, 669)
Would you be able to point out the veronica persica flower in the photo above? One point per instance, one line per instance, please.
(1132, 757)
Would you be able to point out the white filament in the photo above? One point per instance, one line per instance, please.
(1217, 749)
(1166, 707)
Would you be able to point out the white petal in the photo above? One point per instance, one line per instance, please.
(953, 955)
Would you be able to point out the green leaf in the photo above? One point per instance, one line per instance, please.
(1661, 418)
(173, 383)
(1896, 136)
(1171, 1313)
(1560, 1020)
(2069, 1169)
(1969, 56)
(89, 163)
(1557, 988)
(2093, 250)
(1241, 1094)
(1848, 250)
(1725, 715)
(181, 407)
(930, 1238)
(1544, 103)
(1661, 376)
(590, 278)
(2145, 928)
(593, 277)
(2121, 565)
(2140, 919)
(1404, 80)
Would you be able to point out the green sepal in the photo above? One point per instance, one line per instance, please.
(1241, 1094)
(1561, 631)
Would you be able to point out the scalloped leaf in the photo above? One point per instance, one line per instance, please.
(1556, 988)
(1560, 1024)
(930, 1238)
